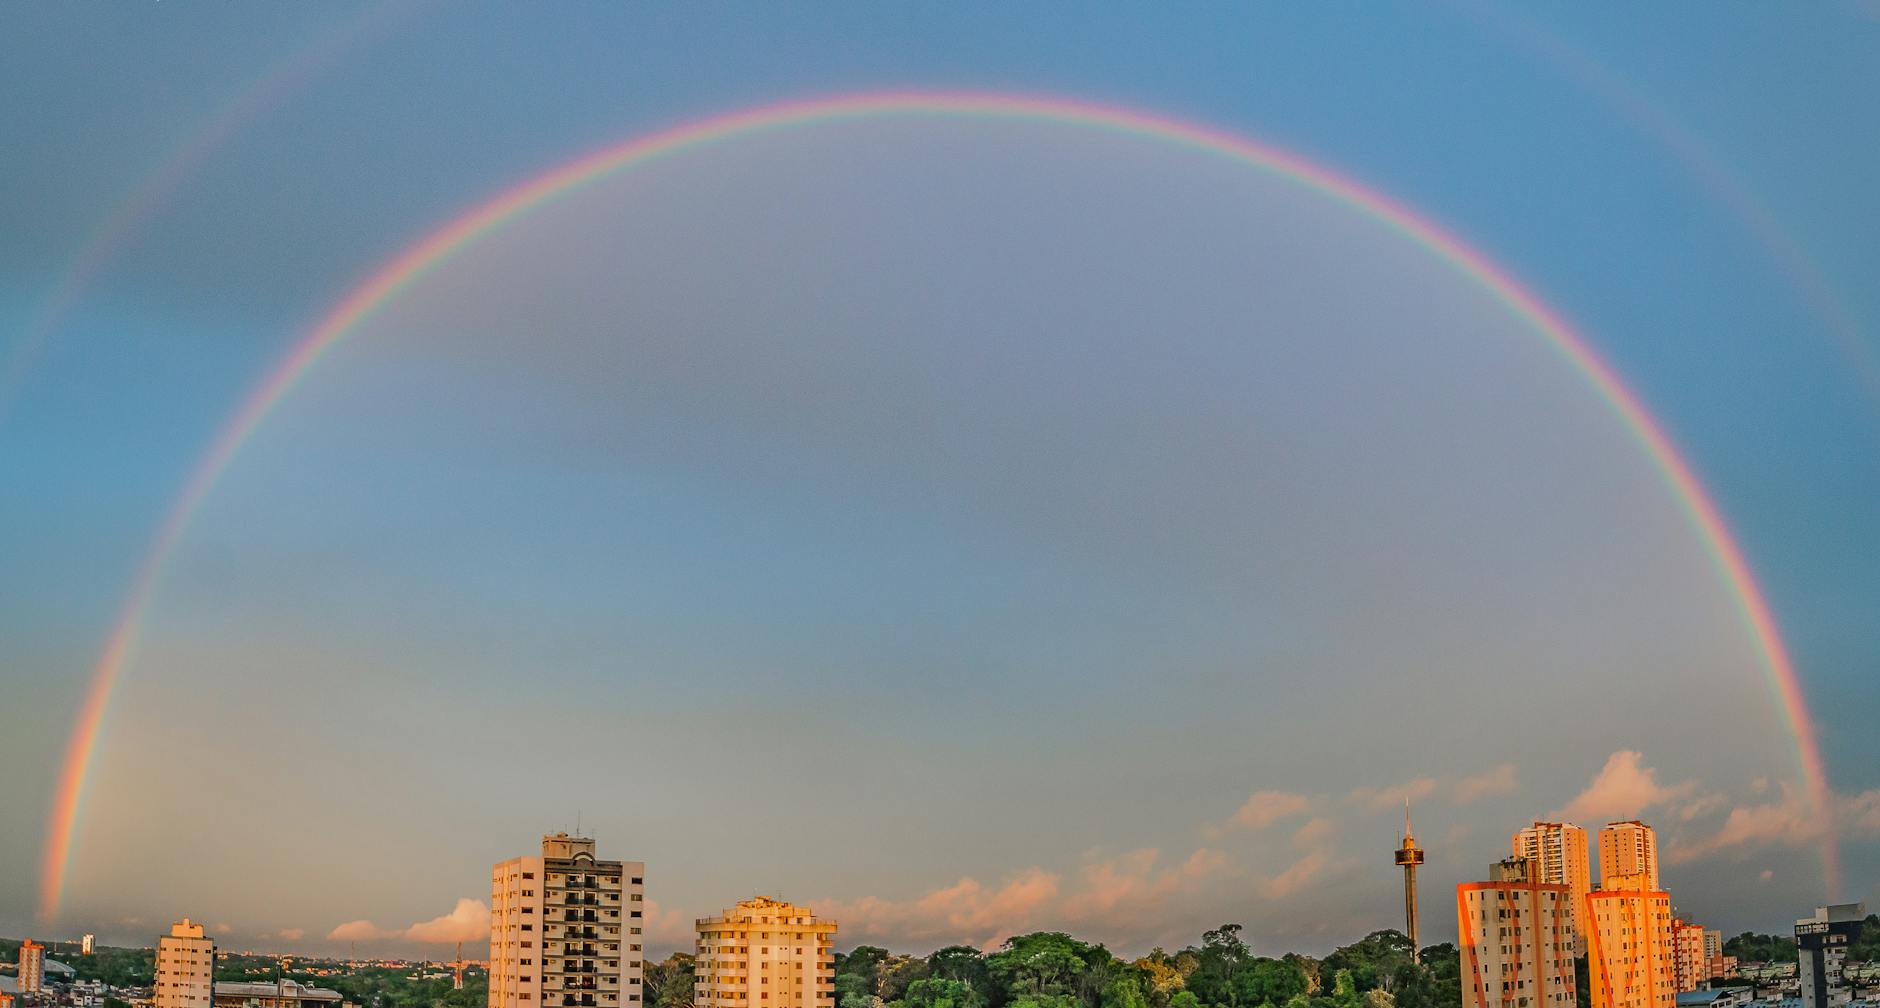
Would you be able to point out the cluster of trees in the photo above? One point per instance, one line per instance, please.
(1049, 969)
(1751, 947)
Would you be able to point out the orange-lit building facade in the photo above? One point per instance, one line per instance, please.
(32, 967)
(1630, 957)
(764, 953)
(1629, 848)
(1516, 937)
(1689, 966)
(1558, 853)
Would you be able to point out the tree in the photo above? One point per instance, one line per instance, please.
(670, 983)
(1268, 982)
(1039, 966)
(942, 992)
(1216, 961)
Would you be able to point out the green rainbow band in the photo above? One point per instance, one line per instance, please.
(418, 260)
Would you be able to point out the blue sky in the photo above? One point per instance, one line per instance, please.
(940, 571)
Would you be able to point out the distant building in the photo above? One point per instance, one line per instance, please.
(1720, 997)
(284, 994)
(1629, 953)
(1516, 936)
(1820, 946)
(32, 967)
(1629, 848)
(1558, 850)
(565, 928)
(85, 944)
(185, 968)
(1689, 967)
(765, 954)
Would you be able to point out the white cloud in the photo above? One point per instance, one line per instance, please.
(468, 921)
(1264, 808)
(356, 930)
(1383, 799)
(1788, 821)
(1623, 789)
(292, 934)
(1499, 781)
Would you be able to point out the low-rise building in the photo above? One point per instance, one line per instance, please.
(283, 994)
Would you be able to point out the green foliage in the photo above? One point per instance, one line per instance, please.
(669, 984)
(1751, 947)
(1866, 945)
(942, 992)
(1035, 970)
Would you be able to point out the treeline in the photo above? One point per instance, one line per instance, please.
(1049, 969)
(1750, 947)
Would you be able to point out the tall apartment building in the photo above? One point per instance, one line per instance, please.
(1820, 946)
(87, 944)
(185, 968)
(32, 967)
(1516, 934)
(1629, 848)
(1629, 952)
(765, 954)
(565, 928)
(1558, 853)
(1689, 965)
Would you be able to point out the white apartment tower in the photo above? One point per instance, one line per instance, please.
(185, 968)
(1557, 855)
(565, 928)
(764, 953)
(1629, 848)
(1516, 938)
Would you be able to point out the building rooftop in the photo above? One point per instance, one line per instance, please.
(285, 989)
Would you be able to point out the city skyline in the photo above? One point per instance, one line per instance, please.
(1073, 469)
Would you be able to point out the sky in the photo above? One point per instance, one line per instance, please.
(964, 525)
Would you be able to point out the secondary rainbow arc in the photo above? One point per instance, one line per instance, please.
(416, 261)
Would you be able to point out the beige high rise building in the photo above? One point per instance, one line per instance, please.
(565, 928)
(1689, 965)
(185, 968)
(31, 969)
(1630, 956)
(1629, 848)
(1516, 939)
(1558, 851)
(765, 954)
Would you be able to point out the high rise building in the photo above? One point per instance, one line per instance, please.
(1629, 953)
(1517, 939)
(185, 968)
(763, 953)
(86, 944)
(1558, 850)
(1689, 965)
(1820, 946)
(1409, 855)
(1629, 848)
(32, 967)
(565, 928)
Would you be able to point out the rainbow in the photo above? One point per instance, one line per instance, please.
(440, 245)
(115, 230)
